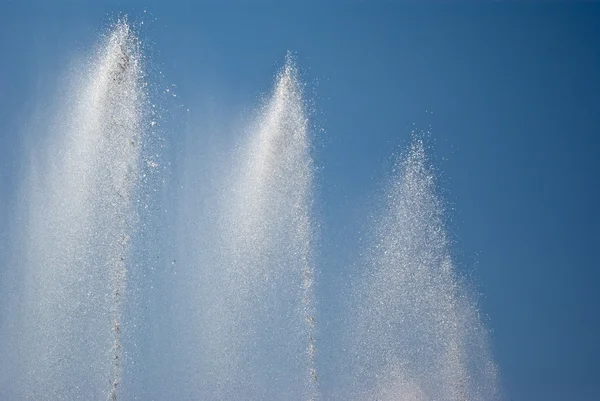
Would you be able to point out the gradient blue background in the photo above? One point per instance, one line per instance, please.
(515, 95)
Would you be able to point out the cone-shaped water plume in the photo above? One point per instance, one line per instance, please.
(78, 223)
(417, 333)
(251, 285)
(270, 232)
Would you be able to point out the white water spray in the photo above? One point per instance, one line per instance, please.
(80, 219)
(268, 231)
(416, 332)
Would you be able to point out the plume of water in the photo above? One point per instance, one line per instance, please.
(270, 235)
(416, 331)
(78, 221)
(249, 266)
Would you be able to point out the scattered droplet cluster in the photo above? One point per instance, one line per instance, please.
(417, 332)
(81, 205)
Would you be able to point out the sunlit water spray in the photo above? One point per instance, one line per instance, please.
(271, 235)
(415, 332)
(245, 260)
(268, 232)
(79, 219)
(233, 311)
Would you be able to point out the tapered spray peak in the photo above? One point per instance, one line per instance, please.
(415, 164)
(279, 136)
(123, 36)
(285, 112)
(288, 83)
(121, 53)
(414, 184)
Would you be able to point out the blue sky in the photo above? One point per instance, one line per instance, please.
(512, 96)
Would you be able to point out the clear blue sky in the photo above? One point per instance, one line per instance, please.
(515, 95)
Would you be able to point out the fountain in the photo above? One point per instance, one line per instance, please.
(245, 262)
(415, 332)
(222, 305)
(77, 222)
